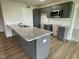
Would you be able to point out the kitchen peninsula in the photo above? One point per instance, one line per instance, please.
(34, 41)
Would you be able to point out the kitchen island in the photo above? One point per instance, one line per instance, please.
(34, 41)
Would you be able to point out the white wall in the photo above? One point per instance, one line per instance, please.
(76, 25)
(27, 16)
(73, 21)
(15, 12)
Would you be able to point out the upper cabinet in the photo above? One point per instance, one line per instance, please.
(44, 10)
(61, 10)
(67, 9)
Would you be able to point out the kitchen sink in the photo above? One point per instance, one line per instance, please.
(23, 26)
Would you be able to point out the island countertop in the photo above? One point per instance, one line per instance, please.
(29, 33)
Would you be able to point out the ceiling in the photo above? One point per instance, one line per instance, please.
(36, 2)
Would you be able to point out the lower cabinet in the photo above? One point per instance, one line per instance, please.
(36, 49)
(62, 33)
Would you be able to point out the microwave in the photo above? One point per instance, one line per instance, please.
(55, 14)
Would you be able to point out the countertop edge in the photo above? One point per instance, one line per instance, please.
(39, 37)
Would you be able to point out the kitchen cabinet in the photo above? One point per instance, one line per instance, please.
(56, 7)
(37, 18)
(62, 33)
(59, 7)
(34, 41)
(52, 9)
(44, 10)
(67, 9)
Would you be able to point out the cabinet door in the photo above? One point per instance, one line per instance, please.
(49, 9)
(59, 7)
(48, 12)
(52, 8)
(61, 33)
(36, 18)
(43, 45)
(44, 10)
(67, 9)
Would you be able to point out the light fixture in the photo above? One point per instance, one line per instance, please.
(41, 0)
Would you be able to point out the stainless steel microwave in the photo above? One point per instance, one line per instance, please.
(55, 14)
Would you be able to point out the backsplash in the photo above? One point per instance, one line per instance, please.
(55, 21)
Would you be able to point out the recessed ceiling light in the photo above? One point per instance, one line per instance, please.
(41, 0)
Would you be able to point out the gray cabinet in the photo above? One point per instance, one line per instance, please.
(36, 49)
(62, 33)
(44, 10)
(37, 18)
(59, 7)
(53, 8)
(67, 9)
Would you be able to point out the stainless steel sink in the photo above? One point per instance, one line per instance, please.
(23, 26)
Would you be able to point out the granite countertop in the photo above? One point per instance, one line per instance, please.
(29, 33)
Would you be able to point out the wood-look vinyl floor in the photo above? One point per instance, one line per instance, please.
(9, 49)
